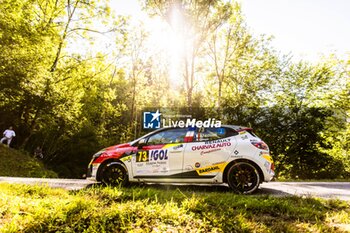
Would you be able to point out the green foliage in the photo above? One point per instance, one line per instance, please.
(295, 120)
(41, 209)
(303, 114)
(44, 86)
(72, 101)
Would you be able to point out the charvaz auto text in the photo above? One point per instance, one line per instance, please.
(213, 144)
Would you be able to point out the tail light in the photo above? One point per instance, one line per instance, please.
(260, 145)
(273, 166)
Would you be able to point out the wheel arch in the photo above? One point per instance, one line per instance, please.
(109, 161)
(227, 168)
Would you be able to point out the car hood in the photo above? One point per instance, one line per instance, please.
(119, 146)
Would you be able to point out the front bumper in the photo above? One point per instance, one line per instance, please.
(92, 170)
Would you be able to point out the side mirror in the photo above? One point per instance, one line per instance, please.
(141, 143)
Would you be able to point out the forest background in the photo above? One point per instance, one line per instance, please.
(75, 78)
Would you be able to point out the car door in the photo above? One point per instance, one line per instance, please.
(161, 156)
(209, 151)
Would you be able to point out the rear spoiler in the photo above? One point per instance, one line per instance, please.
(244, 129)
(249, 130)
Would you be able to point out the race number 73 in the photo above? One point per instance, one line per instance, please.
(142, 156)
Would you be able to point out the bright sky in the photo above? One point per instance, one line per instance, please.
(306, 28)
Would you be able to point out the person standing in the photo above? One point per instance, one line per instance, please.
(8, 135)
(38, 153)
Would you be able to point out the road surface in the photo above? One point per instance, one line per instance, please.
(69, 184)
(339, 190)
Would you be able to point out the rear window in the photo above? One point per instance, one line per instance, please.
(251, 133)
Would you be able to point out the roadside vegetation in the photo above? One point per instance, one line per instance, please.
(160, 209)
(21, 164)
(76, 77)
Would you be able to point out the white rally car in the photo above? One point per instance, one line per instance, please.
(228, 154)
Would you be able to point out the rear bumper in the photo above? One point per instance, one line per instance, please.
(270, 176)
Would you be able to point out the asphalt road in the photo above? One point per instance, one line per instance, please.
(339, 190)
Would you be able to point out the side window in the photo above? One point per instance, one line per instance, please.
(168, 136)
(209, 134)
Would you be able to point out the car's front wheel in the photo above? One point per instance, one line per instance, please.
(243, 177)
(114, 173)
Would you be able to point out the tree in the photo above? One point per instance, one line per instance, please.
(296, 121)
(26, 53)
(42, 79)
(241, 64)
(337, 98)
(199, 19)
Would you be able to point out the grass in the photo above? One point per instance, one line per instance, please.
(16, 163)
(158, 209)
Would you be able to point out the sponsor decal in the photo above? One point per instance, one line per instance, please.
(126, 159)
(153, 155)
(197, 165)
(242, 132)
(173, 145)
(151, 162)
(178, 147)
(189, 136)
(212, 168)
(151, 120)
(210, 151)
(208, 169)
(218, 141)
(244, 137)
(236, 152)
(211, 146)
(268, 158)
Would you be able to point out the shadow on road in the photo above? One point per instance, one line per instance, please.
(269, 191)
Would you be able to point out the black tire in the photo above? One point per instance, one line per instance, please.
(243, 177)
(114, 174)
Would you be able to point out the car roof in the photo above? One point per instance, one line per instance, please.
(234, 127)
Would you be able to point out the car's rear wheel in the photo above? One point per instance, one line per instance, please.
(114, 174)
(243, 177)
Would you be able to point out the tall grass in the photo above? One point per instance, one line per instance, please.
(19, 163)
(155, 209)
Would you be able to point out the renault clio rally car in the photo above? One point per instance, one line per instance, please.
(228, 154)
